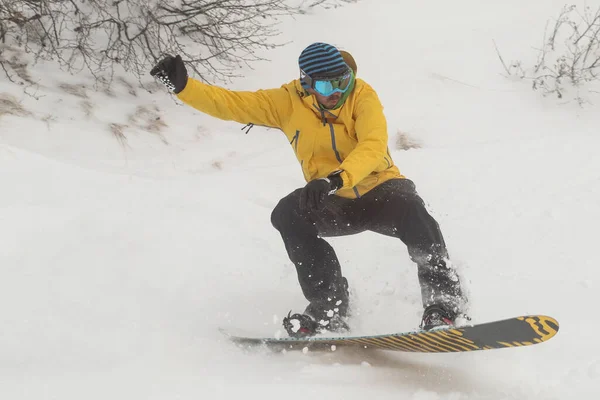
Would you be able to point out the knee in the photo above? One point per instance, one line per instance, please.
(403, 206)
(285, 209)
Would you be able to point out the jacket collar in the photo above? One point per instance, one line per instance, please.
(310, 101)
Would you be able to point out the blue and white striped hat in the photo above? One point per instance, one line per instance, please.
(322, 60)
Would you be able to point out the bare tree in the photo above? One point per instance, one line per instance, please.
(569, 56)
(215, 37)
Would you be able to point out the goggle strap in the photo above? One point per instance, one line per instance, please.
(305, 80)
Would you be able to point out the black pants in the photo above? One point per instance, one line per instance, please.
(394, 209)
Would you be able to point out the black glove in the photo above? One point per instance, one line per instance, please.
(171, 72)
(314, 193)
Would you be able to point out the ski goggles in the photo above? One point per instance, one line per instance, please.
(327, 86)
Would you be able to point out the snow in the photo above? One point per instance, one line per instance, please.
(120, 260)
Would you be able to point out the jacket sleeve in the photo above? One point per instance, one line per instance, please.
(263, 107)
(371, 152)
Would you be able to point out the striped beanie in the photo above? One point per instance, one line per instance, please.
(322, 60)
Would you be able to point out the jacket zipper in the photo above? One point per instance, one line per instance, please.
(337, 154)
(295, 139)
(333, 145)
(388, 159)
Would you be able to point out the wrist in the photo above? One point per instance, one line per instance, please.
(181, 85)
(335, 181)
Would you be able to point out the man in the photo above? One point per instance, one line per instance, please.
(336, 126)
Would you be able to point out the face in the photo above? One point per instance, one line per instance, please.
(326, 101)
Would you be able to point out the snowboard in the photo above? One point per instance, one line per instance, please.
(513, 332)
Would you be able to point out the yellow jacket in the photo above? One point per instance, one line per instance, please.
(352, 138)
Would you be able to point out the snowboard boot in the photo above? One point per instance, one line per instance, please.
(332, 309)
(326, 314)
(436, 316)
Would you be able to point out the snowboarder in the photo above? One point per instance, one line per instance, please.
(335, 124)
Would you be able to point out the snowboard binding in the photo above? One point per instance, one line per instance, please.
(437, 316)
(303, 325)
(300, 325)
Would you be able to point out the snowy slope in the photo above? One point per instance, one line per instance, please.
(120, 259)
